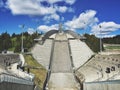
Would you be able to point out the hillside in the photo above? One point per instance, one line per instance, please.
(37, 69)
(13, 42)
(112, 40)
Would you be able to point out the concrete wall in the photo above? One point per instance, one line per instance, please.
(14, 86)
(114, 85)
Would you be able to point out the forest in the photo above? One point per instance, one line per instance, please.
(112, 40)
(13, 42)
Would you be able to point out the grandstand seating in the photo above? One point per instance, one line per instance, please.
(42, 52)
(87, 70)
(6, 59)
(77, 49)
(95, 69)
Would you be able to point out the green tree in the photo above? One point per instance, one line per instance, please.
(93, 42)
(5, 41)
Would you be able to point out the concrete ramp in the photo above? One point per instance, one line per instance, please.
(62, 76)
(61, 58)
(62, 81)
(80, 52)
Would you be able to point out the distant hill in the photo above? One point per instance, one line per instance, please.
(93, 42)
(112, 40)
(13, 42)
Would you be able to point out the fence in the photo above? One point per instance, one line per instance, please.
(10, 82)
(103, 85)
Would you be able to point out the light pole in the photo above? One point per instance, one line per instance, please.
(100, 39)
(84, 28)
(22, 49)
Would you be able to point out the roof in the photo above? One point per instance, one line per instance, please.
(72, 33)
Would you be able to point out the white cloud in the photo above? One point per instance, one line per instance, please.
(31, 31)
(46, 28)
(106, 36)
(62, 9)
(85, 19)
(55, 17)
(105, 28)
(53, 1)
(34, 7)
(52, 16)
(29, 7)
(70, 1)
(66, 1)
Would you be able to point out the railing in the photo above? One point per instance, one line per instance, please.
(105, 82)
(14, 79)
(48, 34)
(75, 35)
(102, 85)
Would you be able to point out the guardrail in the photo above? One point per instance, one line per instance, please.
(14, 79)
(102, 85)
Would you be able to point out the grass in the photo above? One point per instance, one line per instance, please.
(11, 49)
(40, 74)
(112, 47)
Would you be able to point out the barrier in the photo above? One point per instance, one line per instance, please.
(11, 82)
(103, 85)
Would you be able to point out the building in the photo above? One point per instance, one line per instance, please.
(72, 65)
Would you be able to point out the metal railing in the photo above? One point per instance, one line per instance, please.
(4, 77)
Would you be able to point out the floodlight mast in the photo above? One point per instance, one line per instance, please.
(84, 28)
(22, 28)
(100, 38)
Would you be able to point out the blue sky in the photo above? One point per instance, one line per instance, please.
(82, 16)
